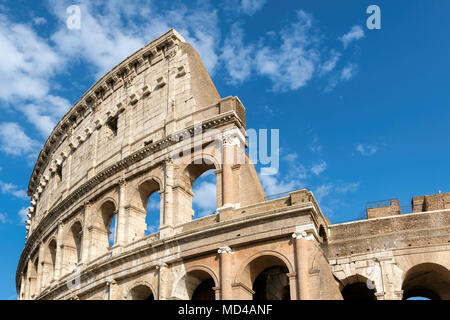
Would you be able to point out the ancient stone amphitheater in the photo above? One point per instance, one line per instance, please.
(127, 137)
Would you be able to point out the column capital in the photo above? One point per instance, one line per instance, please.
(307, 232)
(225, 249)
(161, 265)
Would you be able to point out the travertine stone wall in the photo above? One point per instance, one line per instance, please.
(135, 133)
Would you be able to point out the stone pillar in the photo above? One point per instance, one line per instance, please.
(163, 282)
(226, 273)
(303, 238)
(59, 251)
(121, 238)
(40, 276)
(293, 285)
(167, 200)
(85, 234)
(28, 279)
(227, 173)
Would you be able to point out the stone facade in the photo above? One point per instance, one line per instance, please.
(126, 138)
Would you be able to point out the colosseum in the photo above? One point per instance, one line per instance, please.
(135, 133)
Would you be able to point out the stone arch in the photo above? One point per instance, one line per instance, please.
(357, 287)
(196, 283)
(73, 245)
(428, 280)
(141, 290)
(188, 175)
(32, 286)
(137, 211)
(49, 263)
(103, 217)
(265, 273)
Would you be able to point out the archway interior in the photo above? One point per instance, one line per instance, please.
(204, 290)
(272, 284)
(150, 198)
(52, 252)
(142, 292)
(427, 281)
(76, 231)
(359, 291)
(152, 219)
(204, 187)
(267, 276)
(108, 211)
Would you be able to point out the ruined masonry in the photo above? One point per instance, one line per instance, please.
(123, 141)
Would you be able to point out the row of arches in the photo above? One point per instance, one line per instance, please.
(58, 256)
(426, 281)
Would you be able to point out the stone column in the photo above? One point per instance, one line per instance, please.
(227, 174)
(40, 276)
(303, 238)
(28, 279)
(226, 274)
(163, 282)
(167, 207)
(85, 234)
(121, 238)
(59, 251)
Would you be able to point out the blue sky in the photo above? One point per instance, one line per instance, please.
(363, 114)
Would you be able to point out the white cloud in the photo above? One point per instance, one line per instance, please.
(318, 168)
(111, 30)
(27, 62)
(14, 141)
(251, 6)
(348, 72)
(354, 34)
(347, 187)
(331, 63)
(39, 20)
(205, 199)
(3, 217)
(366, 149)
(322, 191)
(315, 146)
(11, 189)
(22, 214)
(237, 57)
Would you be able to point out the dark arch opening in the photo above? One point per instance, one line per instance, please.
(204, 290)
(427, 281)
(272, 284)
(142, 292)
(358, 291)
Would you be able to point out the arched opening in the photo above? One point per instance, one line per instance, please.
(103, 235)
(195, 285)
(51, 260)
(142, 292)
(204, 201)
(150, 204)
(77, 232)
(32, 286)
(267, 276)
(427, 281)
(359, 288)
(72, 247)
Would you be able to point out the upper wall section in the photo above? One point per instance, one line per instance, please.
(161, 87)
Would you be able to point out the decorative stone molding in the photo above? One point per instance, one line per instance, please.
(224, 250)
(307, 232)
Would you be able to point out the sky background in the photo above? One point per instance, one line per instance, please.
(363, 114)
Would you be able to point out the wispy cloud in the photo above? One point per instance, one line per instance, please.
(318, 168)
(354, 34)
(250, 7)
(205, 199)
(11, 189)
(3, 217)
(366, 149)
(15, 142)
